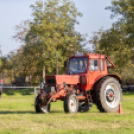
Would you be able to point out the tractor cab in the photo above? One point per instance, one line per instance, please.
(90, 67)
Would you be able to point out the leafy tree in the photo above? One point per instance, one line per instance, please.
(54, 26)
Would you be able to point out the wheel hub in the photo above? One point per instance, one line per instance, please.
(72, 104)
(110, 95)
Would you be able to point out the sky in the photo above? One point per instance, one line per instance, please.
(13, 12)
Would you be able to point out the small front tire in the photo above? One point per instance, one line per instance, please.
(71, 104)
(40, 108)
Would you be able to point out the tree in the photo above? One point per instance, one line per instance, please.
(96, 39)
(54, 26)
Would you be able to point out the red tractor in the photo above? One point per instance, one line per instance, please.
(86, 82)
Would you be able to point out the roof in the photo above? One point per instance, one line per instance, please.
(92, 55)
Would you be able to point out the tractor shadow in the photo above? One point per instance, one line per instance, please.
(54, 112)
(26, 112)
(17, 112)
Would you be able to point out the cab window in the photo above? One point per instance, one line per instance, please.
(102, 65)
(93, 65)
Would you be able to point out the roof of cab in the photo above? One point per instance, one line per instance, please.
(92, 55)
(95, 55)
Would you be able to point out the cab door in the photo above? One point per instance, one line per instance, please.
(93, 72)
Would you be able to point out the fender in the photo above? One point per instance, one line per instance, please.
(116, 76)
(112, 75)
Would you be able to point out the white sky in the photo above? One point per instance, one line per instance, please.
(13, 12)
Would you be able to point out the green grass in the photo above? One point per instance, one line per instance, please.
(17, 116)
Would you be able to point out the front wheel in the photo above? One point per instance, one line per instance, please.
(41, 108)
(108, 95)
(71, 103)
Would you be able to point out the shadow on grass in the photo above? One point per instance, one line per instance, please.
(17, 112)
(27, 112)
(53, 112)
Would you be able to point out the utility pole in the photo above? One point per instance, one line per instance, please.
(56, 64)
(44, 73)
(43, 53)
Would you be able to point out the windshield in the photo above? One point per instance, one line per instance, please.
(78, 65)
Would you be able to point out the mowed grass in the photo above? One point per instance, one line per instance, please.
(17, 116)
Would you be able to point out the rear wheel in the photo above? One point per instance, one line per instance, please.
(109, 95)
(41, 108)
(71, 103)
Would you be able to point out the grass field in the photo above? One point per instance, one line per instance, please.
(17, 116)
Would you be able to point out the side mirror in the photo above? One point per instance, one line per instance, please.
(65, 64)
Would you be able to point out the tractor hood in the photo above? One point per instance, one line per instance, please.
(59, 79)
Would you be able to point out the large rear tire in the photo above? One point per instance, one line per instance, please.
(40, 108)
(71, 104)
(108, 95)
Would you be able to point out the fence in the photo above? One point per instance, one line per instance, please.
(7, 88)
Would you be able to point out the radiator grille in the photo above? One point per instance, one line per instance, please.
(51, 81)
